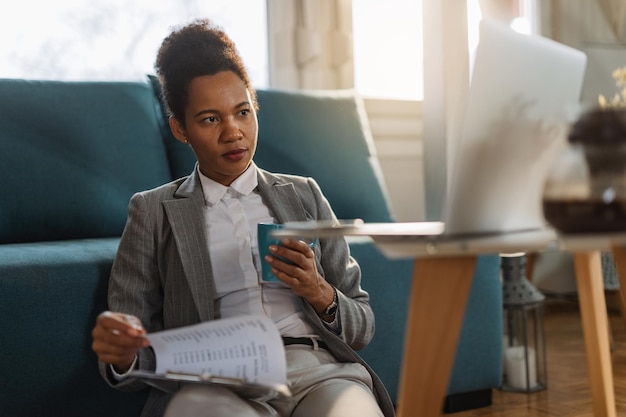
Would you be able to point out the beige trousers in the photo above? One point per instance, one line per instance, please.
(321, 387)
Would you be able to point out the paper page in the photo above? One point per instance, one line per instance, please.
(247, 347)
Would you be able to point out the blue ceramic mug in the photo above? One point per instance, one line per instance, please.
(265, 239)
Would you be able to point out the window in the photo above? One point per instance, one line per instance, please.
(388, 56)
(117, 40)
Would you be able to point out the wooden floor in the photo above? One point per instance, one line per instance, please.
(568, 393)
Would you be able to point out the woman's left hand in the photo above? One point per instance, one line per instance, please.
(302, 276)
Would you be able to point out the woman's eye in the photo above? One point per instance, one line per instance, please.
(244, 112)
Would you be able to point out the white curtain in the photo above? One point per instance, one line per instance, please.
(615, 13)
(310, 44)
(596, 27)
(575, 22)
(446, 80)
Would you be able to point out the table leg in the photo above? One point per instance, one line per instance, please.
(595, 329)
(439, 294)
(619, 256)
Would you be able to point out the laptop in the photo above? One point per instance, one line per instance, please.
(523, 91)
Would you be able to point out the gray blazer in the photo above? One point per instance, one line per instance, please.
(162, 272)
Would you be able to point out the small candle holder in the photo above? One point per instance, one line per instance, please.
(524, 361)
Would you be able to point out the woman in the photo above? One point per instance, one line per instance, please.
(188, 254)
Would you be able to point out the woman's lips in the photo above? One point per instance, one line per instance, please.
(235, 155)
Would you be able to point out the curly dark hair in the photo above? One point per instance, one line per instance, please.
(199, 48)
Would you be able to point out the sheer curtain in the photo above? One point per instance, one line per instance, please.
(577, 22)
(596, 27)
(310, 44)
(446, 80)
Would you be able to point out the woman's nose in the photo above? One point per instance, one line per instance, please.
(232, 130)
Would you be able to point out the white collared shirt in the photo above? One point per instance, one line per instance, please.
(232, 214)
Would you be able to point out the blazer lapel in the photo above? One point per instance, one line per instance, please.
(281, 198)
(186, 217)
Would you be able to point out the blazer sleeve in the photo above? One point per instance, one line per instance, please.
(343, 272)
(134, 286)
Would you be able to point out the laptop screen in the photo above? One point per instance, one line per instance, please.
(521, 91)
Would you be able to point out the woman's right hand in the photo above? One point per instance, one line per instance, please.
(116, 339)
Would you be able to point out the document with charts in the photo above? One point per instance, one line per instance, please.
(244, 353)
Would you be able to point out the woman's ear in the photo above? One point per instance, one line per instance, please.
(178, 130)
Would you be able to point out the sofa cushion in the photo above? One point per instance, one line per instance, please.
(388, 283)
(72, 154)
(325, 135)
(51, 295)
(180, 156)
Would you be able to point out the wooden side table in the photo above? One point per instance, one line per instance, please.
(441, 282)
(437, 305)
(442, 277)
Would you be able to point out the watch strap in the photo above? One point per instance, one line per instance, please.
(329, 314)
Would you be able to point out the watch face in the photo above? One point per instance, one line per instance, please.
(331, 310)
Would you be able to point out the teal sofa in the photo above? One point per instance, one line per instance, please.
(71, 156)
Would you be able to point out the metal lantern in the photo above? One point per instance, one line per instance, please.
(524, 361)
